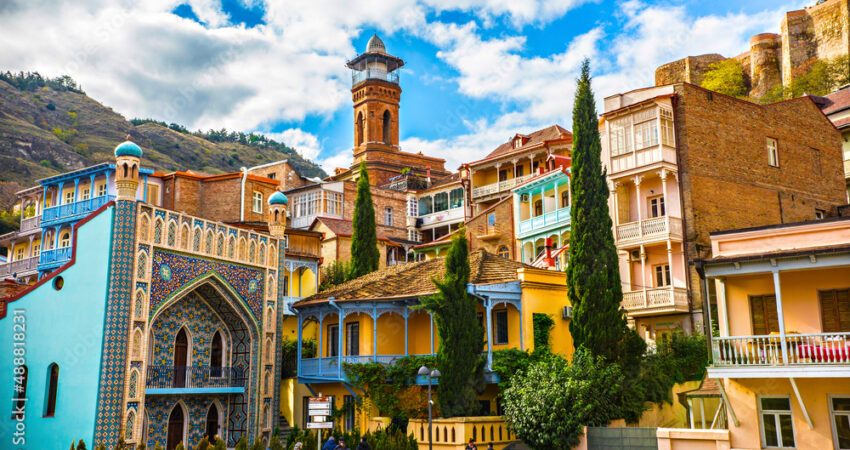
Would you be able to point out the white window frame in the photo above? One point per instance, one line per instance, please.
(101, 190)
(496, 313)
(388, 216)
(662, 206)
(772, 145)
(68, 198)
(775, 414)
(19, 253)
(666, 275)
(257, 202)
(36, 249)
(86, 194)
(66, 242)
(832, 416)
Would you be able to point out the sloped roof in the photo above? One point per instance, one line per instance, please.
(416, 279)
(535, 138)
(834, 102)
(345, 228)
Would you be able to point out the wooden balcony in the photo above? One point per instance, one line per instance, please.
(74, 210)
(642, 157)
(55, 257)
(655, 301)
(558, 217)
(830, 352)
(501, 186)
(20, 267)
(30, 223)
(649, 230)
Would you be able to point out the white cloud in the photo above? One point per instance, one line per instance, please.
(306, 143)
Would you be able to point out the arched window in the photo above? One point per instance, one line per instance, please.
(272, 255)
(504, 252)
(196, 240)
(208, 244)
(212, 423)
(172, 233)
(176, 427)
(242, 249)
(52, 388)
(144, 228)
(138, 308)
(219, 245)
(538, 207)
(271, 286)
(267, 417)
(359, 129)
(65, 239)
(157, 231)
(231, 247)
(20, 394)
(181, 358)
(126, 169)
(217, 352)
(133, 389)
(142, 265)
(386, 127)
(262, 259)
(270, 317)
(269, 353)
(131, 424)
(267, 382)
(252, 252)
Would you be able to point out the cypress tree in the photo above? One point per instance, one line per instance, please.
(461, 337)
(593, 276)
(364, 239)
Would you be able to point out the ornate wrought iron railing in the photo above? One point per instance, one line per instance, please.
(170, 377)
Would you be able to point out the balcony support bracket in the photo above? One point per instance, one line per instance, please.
(729, 408)
(800, 401)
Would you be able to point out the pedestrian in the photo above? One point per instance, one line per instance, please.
(341, 445)
(330, 444)
(490, 446)
(298, 446)
(363, 445)
(471, 445)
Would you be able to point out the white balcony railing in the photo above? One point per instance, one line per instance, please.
(305, 221)
(558, 216)
(772, 350)
(642, 157)
(658, 299)
(20, 267)
(649, 229)
(442, 216)
(501, 186)
(30, 223)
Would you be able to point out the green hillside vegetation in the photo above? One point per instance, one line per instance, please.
(48, 126)
(726, 77)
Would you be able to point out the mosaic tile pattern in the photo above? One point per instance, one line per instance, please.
(182, 270)
(109, 408)
(159, 408)
(199, 320)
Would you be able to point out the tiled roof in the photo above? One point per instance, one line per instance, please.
(835, 101)
(550, 133)
(707, 388)
(345, 228)
(416, 279)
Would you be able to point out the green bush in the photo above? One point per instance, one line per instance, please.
(380, 440)
(335, 274)
(81, 445)
(242, 444)
(726, 77)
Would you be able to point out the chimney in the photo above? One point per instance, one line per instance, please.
(550, 262)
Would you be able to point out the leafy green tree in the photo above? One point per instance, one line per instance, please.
(81, 445)
(204, 444)
(726, 77)
(72, 445)
(364, 239)
(461, 336)
(275, 443)
(543, 325)
(258, 444)
(242, 444)
(219, 445)
(180, 447)
(593, 275)
(334, 274)
(548, 404)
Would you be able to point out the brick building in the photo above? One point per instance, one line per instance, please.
(836, 106)
(683, 162)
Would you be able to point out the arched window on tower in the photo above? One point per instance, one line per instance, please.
(386, 127)
(217, 355)
(359, 131)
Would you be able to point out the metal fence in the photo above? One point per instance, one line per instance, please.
(599, 438)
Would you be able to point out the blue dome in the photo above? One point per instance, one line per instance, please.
(278, 199)
(128, 148)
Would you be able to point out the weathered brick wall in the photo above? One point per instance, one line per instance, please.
(765, 55)
(184, 195)
(726, 181)
(688, 70)
(381, 199)
(820, 31)
(286, 176)
(504, 229)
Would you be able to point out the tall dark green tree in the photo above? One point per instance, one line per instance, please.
(461, 336)
(593, 276)
(364, 239)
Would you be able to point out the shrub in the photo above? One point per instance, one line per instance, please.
(81, 445)
(204, 444)
(726, 77)
(242, 444)
(335, 274)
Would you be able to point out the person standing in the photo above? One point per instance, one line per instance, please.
(471, 445)
(363, 445)
(330, 444)
(341, 445)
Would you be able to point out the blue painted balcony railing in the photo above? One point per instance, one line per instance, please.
(202, 377)
(56, 256)
(72, 211)
(558, 216)
(329, 367)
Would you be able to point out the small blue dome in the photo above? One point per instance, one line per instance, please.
(128, 148)
(278, 199)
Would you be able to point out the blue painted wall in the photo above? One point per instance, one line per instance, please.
(63, 327)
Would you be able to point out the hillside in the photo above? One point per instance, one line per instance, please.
(48, 129)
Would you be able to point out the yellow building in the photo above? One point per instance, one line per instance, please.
(782, 349)
(382, 324)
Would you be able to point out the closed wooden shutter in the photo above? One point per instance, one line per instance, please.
(835, 310)
(764, 316)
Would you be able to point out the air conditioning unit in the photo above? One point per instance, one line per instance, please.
(634, 255)
(523, 197)
(567, 312)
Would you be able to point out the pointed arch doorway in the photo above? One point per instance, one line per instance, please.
(181, 350)
(213, 429)
(176, 427)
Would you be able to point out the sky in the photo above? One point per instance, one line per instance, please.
(477, 71)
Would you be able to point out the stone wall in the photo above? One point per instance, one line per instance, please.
(688, 70)
(491, 236)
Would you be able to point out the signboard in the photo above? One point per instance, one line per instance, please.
(319, 406)
(319, 425)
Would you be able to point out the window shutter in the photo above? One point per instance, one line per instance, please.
(764, 316)
(835, 310)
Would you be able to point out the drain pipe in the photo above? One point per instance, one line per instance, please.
(244, 171)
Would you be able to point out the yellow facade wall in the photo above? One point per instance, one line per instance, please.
(546, 292)
(743, 396)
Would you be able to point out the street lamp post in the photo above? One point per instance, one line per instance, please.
(431, 374)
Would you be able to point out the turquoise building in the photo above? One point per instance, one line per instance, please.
(153, 325)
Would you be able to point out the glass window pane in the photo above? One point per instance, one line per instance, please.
(842, 430)
(457, 198)
(787, 430)
(441, 201)
(769, 422)
(776, 404)
(424, 206)
(841, 404)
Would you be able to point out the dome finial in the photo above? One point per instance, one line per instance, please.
(375, 45)
(128, 137)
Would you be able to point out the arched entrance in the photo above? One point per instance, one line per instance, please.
(212, 423)
(181, 350)
(176, 427)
